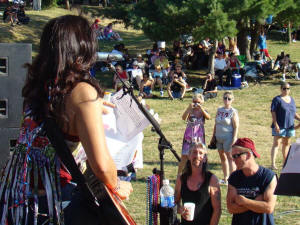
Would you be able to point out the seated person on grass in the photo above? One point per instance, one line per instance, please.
(22, 17)
(11, 12)
(220, 67)
(235, 67)
(146, 87)
(157, 77)
(163, 62)
(136, 74)
(109, 34)
(210, 89)
(96, 27)
(141, 63)
(177, 86)
(122, 74)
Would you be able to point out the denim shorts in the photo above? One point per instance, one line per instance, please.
(284, 132)
(224, 142)
(176, 94)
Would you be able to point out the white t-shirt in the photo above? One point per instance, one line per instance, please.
(220, 64)
(136, 72)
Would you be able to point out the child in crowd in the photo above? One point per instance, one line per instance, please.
(146, 86)
(157, 76)
(195, 115)
(123, 75)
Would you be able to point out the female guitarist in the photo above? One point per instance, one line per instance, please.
(36, 187)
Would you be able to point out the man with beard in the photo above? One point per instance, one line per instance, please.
(199, 186)
(250, 196)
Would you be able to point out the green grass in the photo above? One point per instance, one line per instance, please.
(253, 105)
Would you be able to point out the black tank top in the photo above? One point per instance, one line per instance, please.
(201, 198)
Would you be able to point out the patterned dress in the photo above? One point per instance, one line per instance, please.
(194, 130)
(34, 170)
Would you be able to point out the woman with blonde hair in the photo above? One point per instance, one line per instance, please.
(226, 131)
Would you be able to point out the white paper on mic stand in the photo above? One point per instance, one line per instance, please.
(129, 119)
(122, 150)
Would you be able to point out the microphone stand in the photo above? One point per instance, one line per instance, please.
(166, 215)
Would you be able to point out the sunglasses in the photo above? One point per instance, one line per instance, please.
(285, 88)
(235, 156)
(227, 98)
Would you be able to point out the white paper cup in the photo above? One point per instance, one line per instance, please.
(190, 206)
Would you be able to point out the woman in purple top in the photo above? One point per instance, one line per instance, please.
(283, 110)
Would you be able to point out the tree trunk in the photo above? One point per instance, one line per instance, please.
(289, 33)
(67, 5)
(211, 60)
(242, 40)
(254, 38)
(104, 3)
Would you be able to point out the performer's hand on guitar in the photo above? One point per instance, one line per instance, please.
(125, 189)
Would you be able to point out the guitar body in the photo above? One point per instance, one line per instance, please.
(110, 207)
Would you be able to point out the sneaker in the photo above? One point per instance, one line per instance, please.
(223, 182)
(283, 77)
(161, 94)
(294, 41)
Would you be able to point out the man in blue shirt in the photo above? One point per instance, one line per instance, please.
(250, 196)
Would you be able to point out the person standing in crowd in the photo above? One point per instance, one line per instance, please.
(250, 194)
(283, 110)
(210, 89)
(262, 44)
(59, 86)
(195, 115)
(226, 132)
(199, 186)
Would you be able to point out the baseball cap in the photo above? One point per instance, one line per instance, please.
(139, 55)
(135, 63)
(247, 143)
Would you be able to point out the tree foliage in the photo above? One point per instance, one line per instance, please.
(168, 19)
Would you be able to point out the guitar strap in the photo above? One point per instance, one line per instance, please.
(56, 138)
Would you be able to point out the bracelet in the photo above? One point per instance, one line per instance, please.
(117, 188)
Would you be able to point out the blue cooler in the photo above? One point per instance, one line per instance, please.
(236, 80)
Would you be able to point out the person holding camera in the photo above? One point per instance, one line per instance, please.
(195, 115)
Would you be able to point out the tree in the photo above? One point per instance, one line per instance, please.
(216, 26)
(167, 20)
(290, 15)
(249, 16)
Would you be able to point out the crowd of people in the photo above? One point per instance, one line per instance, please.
(250, 194)
(35, 182)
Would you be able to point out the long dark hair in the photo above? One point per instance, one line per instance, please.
(187, 171)
(67, 51)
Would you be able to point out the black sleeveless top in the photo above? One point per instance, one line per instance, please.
(202, 200)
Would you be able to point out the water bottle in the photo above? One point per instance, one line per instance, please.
(166, 195)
